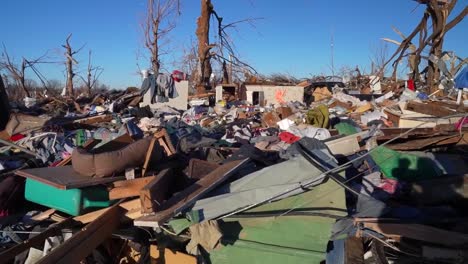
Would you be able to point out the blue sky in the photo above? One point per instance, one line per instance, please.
(292, 38)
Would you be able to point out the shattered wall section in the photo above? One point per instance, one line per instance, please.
(277, 94)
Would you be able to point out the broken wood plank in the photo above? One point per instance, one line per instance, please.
(429, 109)
(197, 168)
(187, 197)
(63, 177)
(155, 192)
(148, 155)
(128, 188)
(131, 208)
(423, 143)
(44, 215)
(94, 119)
(419, 232)
(168, 142)
(81, 244)
(36, 241)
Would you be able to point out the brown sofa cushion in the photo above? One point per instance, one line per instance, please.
(110, 163)
(83, 162)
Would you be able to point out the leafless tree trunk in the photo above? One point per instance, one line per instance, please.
(92, 75)
(158, 24)
(204, 46)
(224, 45)
(438, 11)
(18, 72)
(69, 53)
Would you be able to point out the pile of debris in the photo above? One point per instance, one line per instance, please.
(346, 178)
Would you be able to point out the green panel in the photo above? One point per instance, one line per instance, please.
(283, 239)
(345, 129)
(72, 201)
(398, 165)
(404, 166)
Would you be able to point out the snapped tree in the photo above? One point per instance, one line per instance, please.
(18, 71)
(70, 61)
(92, 75)
(438, 11)
(160, 20)
(224, 46)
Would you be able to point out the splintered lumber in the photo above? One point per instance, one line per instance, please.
(131, 208)
(419, 232)
(187, 197)
(36, 241)
(164, 141)
(81, 244)
(128, 188)
(63, 177)
(155, 192)
(148, 155)
(94, 119)
(197, 168)
(429, 109)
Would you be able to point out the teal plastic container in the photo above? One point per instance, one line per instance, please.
(73, 201)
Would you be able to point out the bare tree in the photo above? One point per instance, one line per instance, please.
(17, 71)
(438, 11)
(159, 22)
(224, 45)
(92, 75)
(70, 61)
(189, 62)
(204, 46)
(378, 59)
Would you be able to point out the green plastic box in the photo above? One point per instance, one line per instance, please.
(73, 201)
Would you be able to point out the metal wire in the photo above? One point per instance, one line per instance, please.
(334, 170)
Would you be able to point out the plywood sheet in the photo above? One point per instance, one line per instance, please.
(63, 177)
(187, 197)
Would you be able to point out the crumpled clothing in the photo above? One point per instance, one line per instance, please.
(8, 235)
(161, 88)
(318, 117)
(310, 131)
(315, 148)
(461, 123)
(147, 123)
(391, 186)
(206, 234)
(241, 134)
(288, 137)
(345, 98)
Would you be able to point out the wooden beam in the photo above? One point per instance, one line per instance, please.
(187, 197)
(128, 188)
(81, 244)
(429, 109)
(36, 241)
(131, 208)
(155, 192)
(94, 119)
(148, 156)
(198, 169)
(419, 232)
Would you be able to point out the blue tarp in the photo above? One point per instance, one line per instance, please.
(461, 81)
